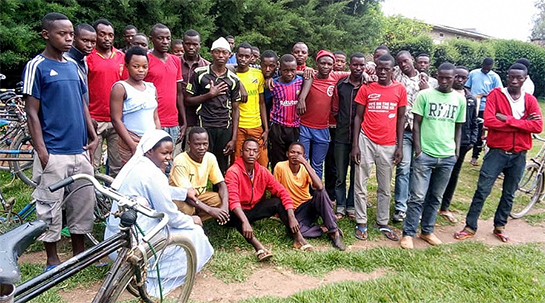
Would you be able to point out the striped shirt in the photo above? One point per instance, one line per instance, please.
(285, 98)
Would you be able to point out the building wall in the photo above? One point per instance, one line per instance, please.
(440, 35)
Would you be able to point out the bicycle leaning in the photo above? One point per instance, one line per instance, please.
(531, 185)
(137, 255)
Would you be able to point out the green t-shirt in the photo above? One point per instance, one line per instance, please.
(440, 112)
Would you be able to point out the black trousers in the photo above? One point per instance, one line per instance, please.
(280, 138)
(262, 210)
(330, 170)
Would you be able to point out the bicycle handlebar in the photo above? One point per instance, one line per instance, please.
(535, 136)
(122, 201)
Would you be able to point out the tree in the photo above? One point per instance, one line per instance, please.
(538, 31)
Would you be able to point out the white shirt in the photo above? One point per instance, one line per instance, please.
(517, 106)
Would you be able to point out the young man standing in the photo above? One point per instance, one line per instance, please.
(300, 52)
(269, 67)
(344, 109)
(296, 176)
(377, 139)
(106, 67)
(438, 117)
(511, 116)
(191, 60)
(165, 72)
(62, 135)
(140, 40)
(247, 182)
(340, 61)
(177, 48)
(233, 58)
(194, 168)
(469, 138)
(482, 81)
(253, 120)
(289, 89)
(406, 74)
(316, 109)
(422, 66)
(85, 40)
(217, 90)
(254, 62)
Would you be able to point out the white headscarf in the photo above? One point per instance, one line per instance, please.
(149, 139)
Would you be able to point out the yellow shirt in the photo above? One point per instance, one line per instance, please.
(188, 173)
(254, 83)
(297, 185)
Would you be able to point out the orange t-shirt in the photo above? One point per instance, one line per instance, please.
(380, 117)
(318, 101)
(296, 185)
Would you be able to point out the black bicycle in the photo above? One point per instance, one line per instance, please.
(138, 255)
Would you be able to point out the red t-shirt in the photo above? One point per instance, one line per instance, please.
(319, 101)
(103, 73)
(165, 76)
(380, 117)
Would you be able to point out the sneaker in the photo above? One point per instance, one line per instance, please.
(431, 239)
(407, 242)
(399, 216)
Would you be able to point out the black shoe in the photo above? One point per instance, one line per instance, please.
(337, 242)
(399, 216)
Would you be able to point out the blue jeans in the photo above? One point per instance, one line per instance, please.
(316, 143)
(429, 178)
(403, 173)
(495, 162)
(342, 160)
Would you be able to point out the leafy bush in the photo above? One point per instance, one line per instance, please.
(415, 45)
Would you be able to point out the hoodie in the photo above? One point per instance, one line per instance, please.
(245, 192)
(513, 135)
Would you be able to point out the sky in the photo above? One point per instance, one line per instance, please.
(503, 19)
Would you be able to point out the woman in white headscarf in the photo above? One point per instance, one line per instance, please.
(144, 175)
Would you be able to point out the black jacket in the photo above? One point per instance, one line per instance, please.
(470, 129)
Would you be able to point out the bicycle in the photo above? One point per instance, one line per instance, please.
(531, 185)
(137, 256)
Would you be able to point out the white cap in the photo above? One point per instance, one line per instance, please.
(221, 43)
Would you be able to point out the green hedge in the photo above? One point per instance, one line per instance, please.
(472, 53)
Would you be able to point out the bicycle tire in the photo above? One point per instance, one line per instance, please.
(528, 192)
(125, 274)
(103, 204)
(21, 168)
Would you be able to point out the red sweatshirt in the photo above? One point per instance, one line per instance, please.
(513, 135)
(246, 193)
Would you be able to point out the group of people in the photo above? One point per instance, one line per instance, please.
(211, 130)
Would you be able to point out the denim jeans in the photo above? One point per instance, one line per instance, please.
(345, 204)
(429, 178)
(316, 143)
(495, 162)
(403, 173)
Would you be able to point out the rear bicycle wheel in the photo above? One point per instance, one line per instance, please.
(125, 277)
(23, 169)
(528, 192)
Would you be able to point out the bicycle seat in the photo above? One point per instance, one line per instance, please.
(13, 244)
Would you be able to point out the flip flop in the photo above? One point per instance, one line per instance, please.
(351, 216)
(50, 267)
(387, 232)
(501, 235)
(463, 234)
(305, 247)
(339, 216)
(449, 216)
(263, 255)
(361, 232)
(474, 162)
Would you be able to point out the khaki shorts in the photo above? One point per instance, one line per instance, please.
(79, 207)
(209, 198)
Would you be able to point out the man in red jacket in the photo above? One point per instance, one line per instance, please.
(511, 117)
(247, 181)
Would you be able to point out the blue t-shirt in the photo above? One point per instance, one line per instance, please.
(481, 83)
(232, 59)
(59, 88)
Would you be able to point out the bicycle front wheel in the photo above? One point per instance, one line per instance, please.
(149, 291)
(103, 203)
(528, 192)
(23, 169)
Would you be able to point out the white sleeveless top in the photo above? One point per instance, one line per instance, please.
(138, 108)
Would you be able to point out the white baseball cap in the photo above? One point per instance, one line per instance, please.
(221, 43)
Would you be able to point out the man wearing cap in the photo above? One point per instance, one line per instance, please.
(217, 90)
(315, 110)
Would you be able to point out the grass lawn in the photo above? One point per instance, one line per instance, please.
(460, 272)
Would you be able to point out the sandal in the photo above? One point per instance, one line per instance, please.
(352, 216)
(263, 255)
(361, 232)
(500, 234)
(339, 216)
(387, 232)
(449, 216)
(463, 234)
(474, 162)
(304, 247)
